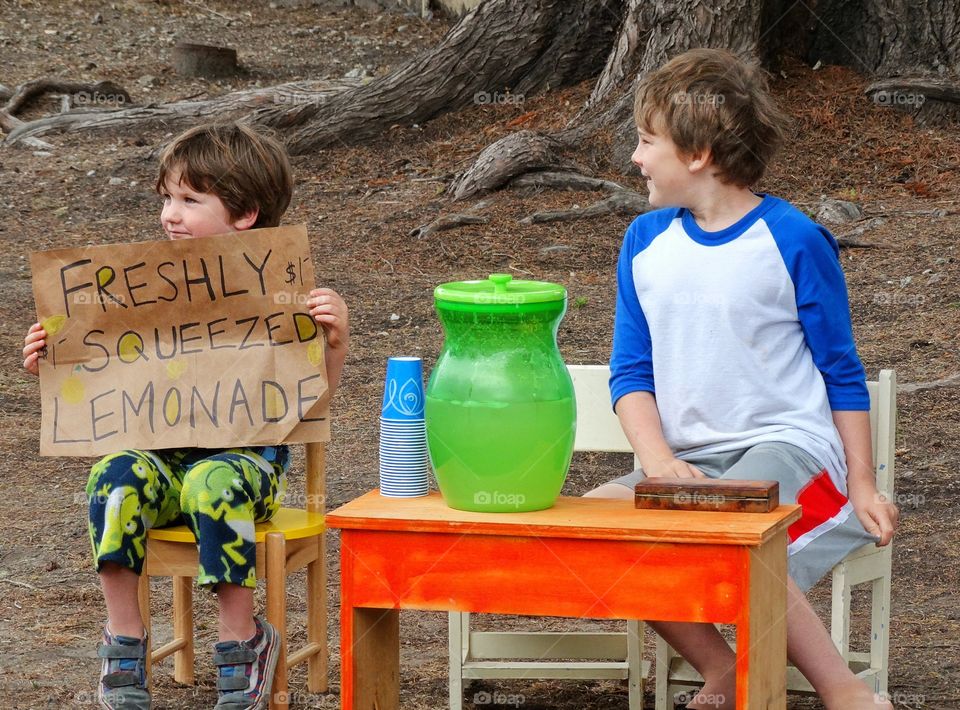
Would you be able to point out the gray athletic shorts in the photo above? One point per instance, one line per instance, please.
(794, 469)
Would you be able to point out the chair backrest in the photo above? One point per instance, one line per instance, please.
(598, 428)
(883, 427)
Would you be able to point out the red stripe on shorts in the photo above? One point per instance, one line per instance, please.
(820, 501)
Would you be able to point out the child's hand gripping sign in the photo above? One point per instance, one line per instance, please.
(200, 342)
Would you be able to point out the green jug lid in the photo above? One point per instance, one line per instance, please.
(499, 289)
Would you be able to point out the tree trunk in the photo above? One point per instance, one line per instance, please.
(650, 33)
(888, 37)
(515, 46)
(511, 48)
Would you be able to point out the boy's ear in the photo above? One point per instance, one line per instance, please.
(248, 220)
(699, 160)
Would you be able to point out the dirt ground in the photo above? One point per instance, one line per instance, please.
(359, 205)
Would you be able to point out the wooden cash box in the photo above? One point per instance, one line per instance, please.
(707, 494)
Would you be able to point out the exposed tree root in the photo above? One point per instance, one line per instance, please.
(445, 222)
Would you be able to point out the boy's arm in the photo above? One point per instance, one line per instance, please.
(330, 311)
(877, 514)
(631, 376)
(640, 420)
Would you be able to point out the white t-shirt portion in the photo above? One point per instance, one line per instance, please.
(743, 335)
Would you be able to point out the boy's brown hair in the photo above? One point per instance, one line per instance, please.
(246, 169)
(712, 99)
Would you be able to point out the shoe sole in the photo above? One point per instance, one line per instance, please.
(272, 657)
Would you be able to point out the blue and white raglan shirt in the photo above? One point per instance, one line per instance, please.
(744, 336)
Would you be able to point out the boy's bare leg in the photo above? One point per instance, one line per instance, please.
(809, 648)
(236, 612)
(700, 644)
(119, 586)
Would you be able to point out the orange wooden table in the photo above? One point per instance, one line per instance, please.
(585, 557)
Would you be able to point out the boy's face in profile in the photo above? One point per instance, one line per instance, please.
(667, 172)
(190, 214)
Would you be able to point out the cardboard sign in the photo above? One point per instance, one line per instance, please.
(198, 342)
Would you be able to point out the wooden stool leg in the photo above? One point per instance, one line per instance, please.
(317, 619)
(143, 599)
(277, 612)
(183, 629)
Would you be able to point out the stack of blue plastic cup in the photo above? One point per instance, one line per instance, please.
(403, 432)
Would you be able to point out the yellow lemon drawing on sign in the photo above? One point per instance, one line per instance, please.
(72, 390)
(53, 324)
(315, 352)
(130, 347)
(175, 368)
(273, 403)
(171, 407)
(105, 276)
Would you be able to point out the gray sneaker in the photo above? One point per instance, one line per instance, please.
(245, 669)
(123, 677)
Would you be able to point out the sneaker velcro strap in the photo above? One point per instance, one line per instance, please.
(116, 650)
(234, 682)
(234, 656)
(120, 679)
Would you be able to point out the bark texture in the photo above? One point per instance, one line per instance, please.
(888, 37)
(520, 46)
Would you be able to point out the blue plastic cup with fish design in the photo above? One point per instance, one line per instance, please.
(403, 390)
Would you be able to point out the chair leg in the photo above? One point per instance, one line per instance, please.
(459, 639)
(276, 564)
(880, 631)
(662, 689)
(183, 629)
(143, 600)
(635, 677)
(840, 611)
(317, 619)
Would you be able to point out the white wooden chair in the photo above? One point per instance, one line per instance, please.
(868, 565)
(537, 654)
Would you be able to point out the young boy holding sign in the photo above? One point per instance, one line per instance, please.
(214, 179)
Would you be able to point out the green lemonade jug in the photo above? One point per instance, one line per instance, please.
(500, 410)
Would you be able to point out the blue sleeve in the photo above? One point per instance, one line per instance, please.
(631, 362)
(812, 258)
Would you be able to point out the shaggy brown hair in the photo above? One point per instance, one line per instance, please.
(712, 99)
(247, 170)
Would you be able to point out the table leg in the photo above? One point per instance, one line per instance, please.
(369, 646)
(762, 631)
